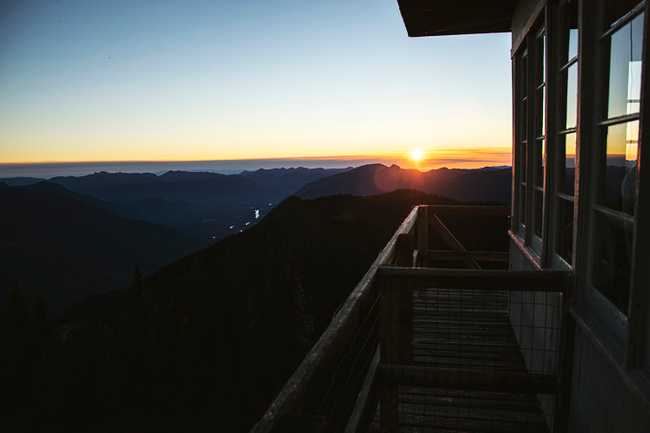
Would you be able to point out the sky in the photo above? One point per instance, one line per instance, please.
(84, 80)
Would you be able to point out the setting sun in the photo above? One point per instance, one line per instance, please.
(416, 155)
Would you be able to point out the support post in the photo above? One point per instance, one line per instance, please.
(390, 324)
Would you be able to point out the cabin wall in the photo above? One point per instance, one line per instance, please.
(604, 397)
(535, 320)
(601, 402)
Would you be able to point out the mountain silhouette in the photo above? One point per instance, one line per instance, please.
(491, 184)
(208, 206)
(62, 246)
(205, 343)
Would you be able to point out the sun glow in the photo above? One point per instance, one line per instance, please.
(416, 155)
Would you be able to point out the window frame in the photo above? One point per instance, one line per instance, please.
(624, 334)
(564, 63)
(525, 154)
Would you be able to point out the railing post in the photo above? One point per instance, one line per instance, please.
(390, 311)
(423, 234)
(404, 250)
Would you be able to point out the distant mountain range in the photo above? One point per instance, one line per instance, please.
(86, 234)
(491, 184)
(204, 206)
(62, 246)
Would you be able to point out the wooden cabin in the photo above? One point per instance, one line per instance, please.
(552, 336)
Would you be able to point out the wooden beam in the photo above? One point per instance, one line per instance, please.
(474, 379)
(488, 256)
(542, 281)
(454, 243)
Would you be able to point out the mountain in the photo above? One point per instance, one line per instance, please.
(490, 184)
(61, 246)
(204, 205)
(205, 343)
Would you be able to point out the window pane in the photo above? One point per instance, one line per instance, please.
(523, 160)
(540, 112)
(522, 204)
(565, 229)
(541, 66)
(540, 153)
(573, 43)
(572, 96)
(567, 146)
(611, 269)
(523, 76)
(621, 166)
(524, 120)
(539, 210)
(625, 69)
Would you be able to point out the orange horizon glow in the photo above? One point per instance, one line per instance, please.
(416, 158)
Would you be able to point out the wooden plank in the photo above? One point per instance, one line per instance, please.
(542, 281)
(470, 379)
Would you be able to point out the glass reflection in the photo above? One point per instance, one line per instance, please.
(572, 96)
(625, 68)
(541, 64)
(541, 112)
(573, 43)
(540, 156)
(621, 171)
(611, 270)
(565, 229)
(522, 204)
(568, 153)
(539, 210)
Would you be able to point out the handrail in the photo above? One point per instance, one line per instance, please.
(295, 388)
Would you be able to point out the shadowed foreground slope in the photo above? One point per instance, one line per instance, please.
(207, 342)
(62, 246)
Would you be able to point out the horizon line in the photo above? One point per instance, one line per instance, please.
(392, 156)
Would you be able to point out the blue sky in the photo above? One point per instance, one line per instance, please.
(164, 80)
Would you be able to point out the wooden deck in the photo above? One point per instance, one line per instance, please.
(466, 331)
(438, 336)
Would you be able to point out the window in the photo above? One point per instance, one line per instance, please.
(617, 168)
(530, 136)
(566, 140)
(521, 155)
(538, 152)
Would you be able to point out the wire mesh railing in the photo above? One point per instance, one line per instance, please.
(477, 348)
(492, 339)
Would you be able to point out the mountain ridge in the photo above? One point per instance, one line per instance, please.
(489, 184)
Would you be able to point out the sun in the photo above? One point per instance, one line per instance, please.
(416, 155)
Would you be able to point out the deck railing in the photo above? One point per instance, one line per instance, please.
(408, 328)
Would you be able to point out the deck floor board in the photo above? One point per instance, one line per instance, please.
(468, 330)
